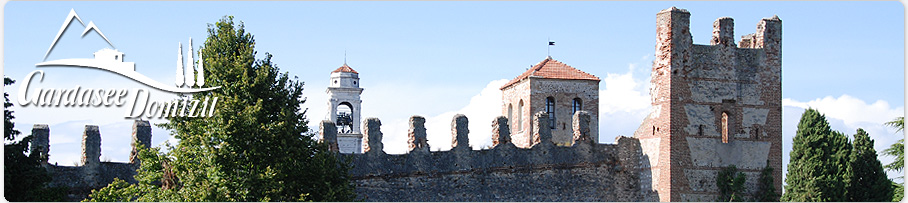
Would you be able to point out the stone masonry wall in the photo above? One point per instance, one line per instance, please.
(533, 93)
(585, 171)
(92, 173)
(692, 87)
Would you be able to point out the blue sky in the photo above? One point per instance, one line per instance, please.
(437, 59)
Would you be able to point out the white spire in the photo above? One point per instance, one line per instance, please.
(201, 80)
(179, 80)
(190, 70)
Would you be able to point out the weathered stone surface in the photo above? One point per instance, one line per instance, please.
(541, 131)
(41, 142)
(692, 86)
(581, 126)
(328, 134)
(501, 133)
(372, 141)
(710, 152)
(141, 136)
(460, 132)
(723, 32)
(417, 135)
(91, 155)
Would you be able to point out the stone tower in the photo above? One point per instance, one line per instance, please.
(344, 108)
(553, 87)
(713, 106)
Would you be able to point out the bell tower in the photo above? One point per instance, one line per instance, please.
(344, 108)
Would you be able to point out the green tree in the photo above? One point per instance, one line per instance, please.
(256, 147)
(898, 149)
(731, 185)
(867, 180)
(24, 177)
(818, 162)
(766, 190)
(898, 191)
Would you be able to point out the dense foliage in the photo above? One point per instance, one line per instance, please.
(255, 148)
(898, 151)
(731, 185)
(766, 190)
(24, 177)
(867, 181)
(817, 169)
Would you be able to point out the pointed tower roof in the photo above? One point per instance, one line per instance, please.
(345, 68)
(552, 69)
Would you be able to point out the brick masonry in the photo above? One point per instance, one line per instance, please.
(692, 86)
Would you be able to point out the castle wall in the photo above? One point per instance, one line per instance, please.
(92, 173)
(585, 171)
(692, 86)
(564, 92)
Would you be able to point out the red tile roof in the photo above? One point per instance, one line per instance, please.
(344, 68)
(552, 69)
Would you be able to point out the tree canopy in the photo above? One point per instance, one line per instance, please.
(867, 181)
(818, 162)
(256, 146)
(24, 179)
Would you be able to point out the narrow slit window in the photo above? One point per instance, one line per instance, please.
(724, 127)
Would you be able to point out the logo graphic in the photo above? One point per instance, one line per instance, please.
(112, 60)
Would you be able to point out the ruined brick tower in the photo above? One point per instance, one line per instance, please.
(713, 106)
(555, 88)
(344, 108)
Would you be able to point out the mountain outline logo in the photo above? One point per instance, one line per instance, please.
(112, 60)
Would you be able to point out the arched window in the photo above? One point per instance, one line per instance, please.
(344, 116)
(724, 127)
(576, 106)
(510, 110)
(550, 108)
(520, 116)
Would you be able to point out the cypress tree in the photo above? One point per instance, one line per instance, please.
(867, 181)
(819, 159)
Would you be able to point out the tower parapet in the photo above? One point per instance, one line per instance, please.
(40, 143)
(712, 106)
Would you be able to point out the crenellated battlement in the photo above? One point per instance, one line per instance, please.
(713, 106)
(584, 167)
(91, 173)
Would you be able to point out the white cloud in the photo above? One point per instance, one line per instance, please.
(623, 104)
(623, 93)
(851, 110)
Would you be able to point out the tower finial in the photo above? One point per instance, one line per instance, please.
(345, 56)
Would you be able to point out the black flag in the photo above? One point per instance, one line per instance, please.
(551, 43)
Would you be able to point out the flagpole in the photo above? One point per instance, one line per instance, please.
(548, 48)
